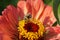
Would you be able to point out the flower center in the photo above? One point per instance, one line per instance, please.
(31, 27)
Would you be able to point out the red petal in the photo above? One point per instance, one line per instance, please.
(21, 6)
(5, 27)
(41, 9)
(33, 6)
(37, 4)
(9, 20)
(53, 33)
(31, 10)
(57, 29)
(10, 14)
(47, 16)
(1, 35)
(6, 37)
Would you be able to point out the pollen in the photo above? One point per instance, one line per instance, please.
(31, 29)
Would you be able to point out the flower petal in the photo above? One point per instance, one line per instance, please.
(4, 36)
(37, 4)
(53, 34)
(31, 9)
(41, 9)
(12, 13)
(5, 28)
(21, 6)
(1, 35)
(8, 21)
(47, 16)
(34, 6)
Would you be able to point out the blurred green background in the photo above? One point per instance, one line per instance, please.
(54, 3)
(4, 3)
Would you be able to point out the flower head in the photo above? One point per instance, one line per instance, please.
(31, 20)
(31, 29)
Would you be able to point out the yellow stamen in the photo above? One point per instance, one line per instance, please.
(31, 35)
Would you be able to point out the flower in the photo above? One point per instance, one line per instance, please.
(37, 7)
(38, 11)
(31, 20)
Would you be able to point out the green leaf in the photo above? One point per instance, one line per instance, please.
(4, 3)
(56, 9)
(13, 2)
(59, 13)
(48, 2)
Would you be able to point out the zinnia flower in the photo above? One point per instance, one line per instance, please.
(31, 20)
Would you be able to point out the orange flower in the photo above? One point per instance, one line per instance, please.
(38, 17)
(39, 11)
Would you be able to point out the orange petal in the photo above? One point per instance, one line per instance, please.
(37, 4)
(5, 27)
(31, 10)
(21, 6)
(4, 36)
(31, 2)
(11, 12)
(2, 26)
(34, 6)
(41, 9)
(53, 33)
(47, 16)
(30, 7)
(9, 20)
(11, 16)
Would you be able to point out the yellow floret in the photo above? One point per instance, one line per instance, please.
(31, 35)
